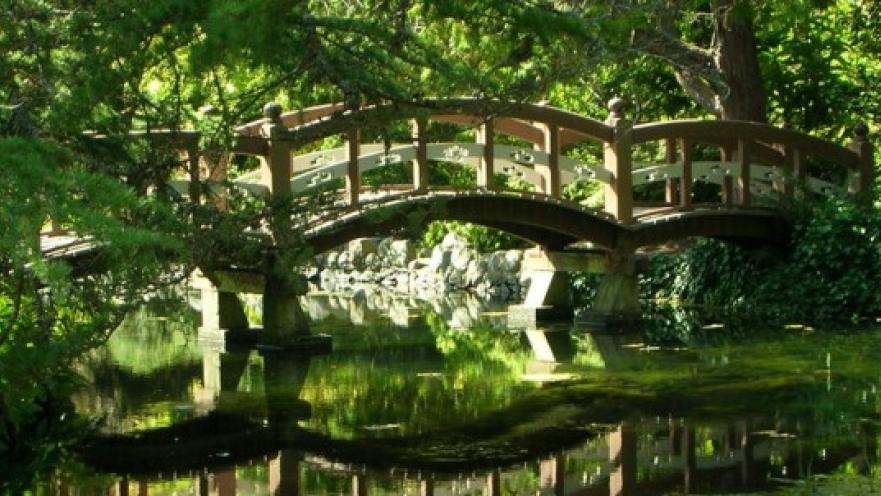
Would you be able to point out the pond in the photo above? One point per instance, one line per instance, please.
(442, 398)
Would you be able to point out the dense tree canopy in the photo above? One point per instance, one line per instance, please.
(76, 76)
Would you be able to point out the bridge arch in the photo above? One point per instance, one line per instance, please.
(546, 221)
(534, 218)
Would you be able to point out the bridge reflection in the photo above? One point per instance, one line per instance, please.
(633, 455)
(669, 455)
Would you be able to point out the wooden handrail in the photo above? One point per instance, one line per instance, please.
(743, 144)
(725, 131)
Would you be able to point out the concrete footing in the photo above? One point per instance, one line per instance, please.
(283, 318)
(222, 310)
(254, 338)
(225, 323)
(616, 306)
(528, 317)
(549, 297)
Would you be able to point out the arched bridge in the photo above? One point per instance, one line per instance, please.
(649, 172)
(660, 181)
(543, 220)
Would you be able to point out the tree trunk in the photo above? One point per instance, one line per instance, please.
(738, 62)
(724, 78)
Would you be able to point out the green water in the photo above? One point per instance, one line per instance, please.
(442, 398)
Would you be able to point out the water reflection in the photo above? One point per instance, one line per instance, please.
(366, 305)
(430, 408)
(636, 457)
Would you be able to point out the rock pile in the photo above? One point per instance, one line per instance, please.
(399, 264)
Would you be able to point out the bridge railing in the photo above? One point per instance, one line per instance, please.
(754, 158)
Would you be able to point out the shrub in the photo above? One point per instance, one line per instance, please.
(830, 273)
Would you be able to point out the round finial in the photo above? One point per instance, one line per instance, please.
(616, 106)
(272, 111)
(861, 130)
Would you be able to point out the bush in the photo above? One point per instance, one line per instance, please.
(481, 238)
(830, 273)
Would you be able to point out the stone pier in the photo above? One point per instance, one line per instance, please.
(616, 305)
(550, 296)
(224, 320)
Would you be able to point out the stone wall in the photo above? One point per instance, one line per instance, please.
(400, 265)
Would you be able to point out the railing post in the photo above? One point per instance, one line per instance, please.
(276, 168)
(195, 189)
(727, 155)
(485, 172)
(743, 179)
(216, 165)
(685, 179)
(550, 173)
(864, 177)
(618, 161)
(419, 127)
(671, 195)
(353, 178)
(783, 185)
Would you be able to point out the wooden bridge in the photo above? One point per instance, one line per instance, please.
(750, 162)
(752, 165)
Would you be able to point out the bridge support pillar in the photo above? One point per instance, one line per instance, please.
(616, 305)
(283, 316)
(222, 310)
(549, 296)
(285, 325)
(284, 473)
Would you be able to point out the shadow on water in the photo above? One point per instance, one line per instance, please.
(442, 398)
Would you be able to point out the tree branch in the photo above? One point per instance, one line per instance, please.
(698, 90)
(685, 57)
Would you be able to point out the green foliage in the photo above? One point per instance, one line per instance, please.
(829, 275)
(481, 238)
(109, 67)
(588, 193)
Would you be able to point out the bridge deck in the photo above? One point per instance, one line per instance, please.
(64, 245)
(72, 246)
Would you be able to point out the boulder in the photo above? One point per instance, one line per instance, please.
(475, 273)
(452, 240)
(455, 279)
(513, 258)
(319, 260)
(402, 252)
(440, 259)
(496, 267)
(460, 257)
(361, 247)
(344, 261)
(371, 262)
(331, 260)
(383, 249)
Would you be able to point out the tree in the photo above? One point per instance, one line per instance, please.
(724, 76)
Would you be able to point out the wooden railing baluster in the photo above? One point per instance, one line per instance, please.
(485, 136)
(276, 165)
(743, 179)
(550, 173)
(864, 177)
(353, 178)
(671, 195)
(618, 160)
(685, 180)
(420, 165)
